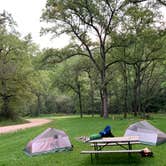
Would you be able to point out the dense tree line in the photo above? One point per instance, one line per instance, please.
(127, 48)
(115, 62)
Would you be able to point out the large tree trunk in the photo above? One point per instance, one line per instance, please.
(105, 102)
(104, 96)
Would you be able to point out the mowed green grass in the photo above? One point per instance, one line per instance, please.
(12, 145)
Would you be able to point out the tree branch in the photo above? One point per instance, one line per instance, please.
(87, 48)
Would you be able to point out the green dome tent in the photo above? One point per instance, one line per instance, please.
(147, 133)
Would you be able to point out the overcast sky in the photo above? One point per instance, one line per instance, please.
(27, 14)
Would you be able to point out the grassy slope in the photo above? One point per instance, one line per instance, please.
(11, 145)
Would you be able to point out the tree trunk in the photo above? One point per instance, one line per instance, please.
(5, 108)
(91, 94)
(80, 99)
(101, 109)
(92, 98)
(104, 94)
(105, 102)
(125, 92)
(134, 103)
(5, 99)
(38, 111)
(137, 91)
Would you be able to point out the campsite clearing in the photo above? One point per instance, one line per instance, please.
(12, 144)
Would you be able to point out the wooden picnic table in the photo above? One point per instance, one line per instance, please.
(124, 142)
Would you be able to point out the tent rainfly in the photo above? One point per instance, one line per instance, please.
(51, 140)
(147, 133)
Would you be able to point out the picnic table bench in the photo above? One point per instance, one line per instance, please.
(99, 144)
(114, 144)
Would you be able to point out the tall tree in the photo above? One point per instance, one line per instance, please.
(68, 78)
(145, 46)
(15, 66)
(81, 19)
(11, 52)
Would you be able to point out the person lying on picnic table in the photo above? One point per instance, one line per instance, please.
(105, 133)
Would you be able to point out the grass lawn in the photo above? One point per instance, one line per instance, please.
(12, 145)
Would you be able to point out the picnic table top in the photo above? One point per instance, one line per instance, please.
(116, 139)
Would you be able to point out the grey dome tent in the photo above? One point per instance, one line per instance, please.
(51, 140)
(147, 133)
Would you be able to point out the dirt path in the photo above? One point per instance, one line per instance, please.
(33, 123)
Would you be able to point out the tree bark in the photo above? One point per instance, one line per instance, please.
(137, 91)
(125, 92)
(104, 96)
(5, 99)
(91, 95)
(101, 108)
(80, 100)
(38, 111)
(105, 102)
